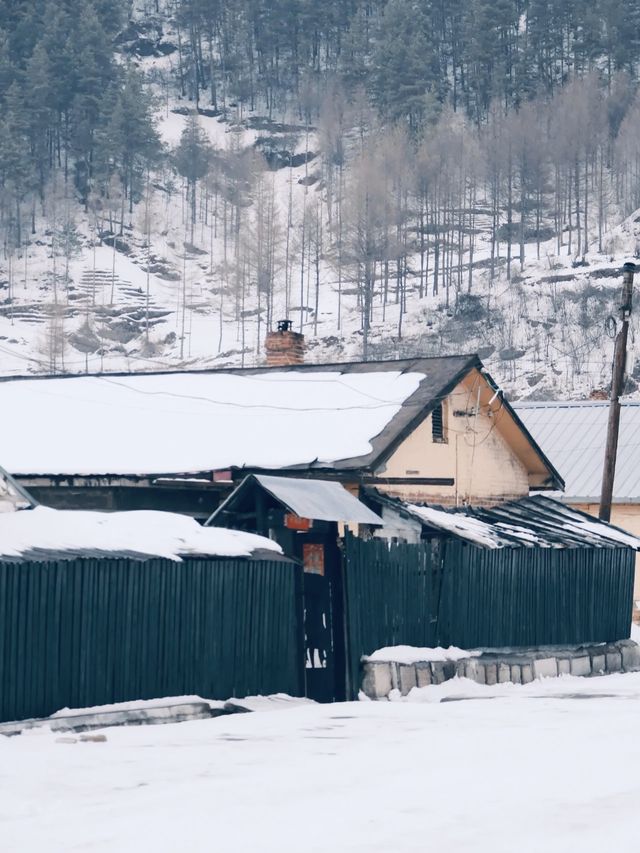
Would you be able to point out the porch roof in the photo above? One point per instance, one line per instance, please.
(322, 500)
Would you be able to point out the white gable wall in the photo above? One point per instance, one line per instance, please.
(476, 456)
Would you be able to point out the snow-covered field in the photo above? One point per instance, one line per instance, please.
(518, 773)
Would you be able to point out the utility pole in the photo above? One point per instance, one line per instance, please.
(617, 387)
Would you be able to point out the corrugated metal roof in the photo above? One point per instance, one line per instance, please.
(573, 434)
(322, 500)
(532, 522)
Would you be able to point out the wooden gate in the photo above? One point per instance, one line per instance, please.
(324, 614)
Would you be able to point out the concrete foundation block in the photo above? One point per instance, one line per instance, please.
(449, 669)
(491, 673)
(471, 669)
(581, 666)
(406, 678)
(564, 666)
(423, 675)
(479, 673)
(516, 673)
(460, 668)
(504, 673)
(172, 713)
(545, 668)
(527, 673)
(437, 672)
(598, 664)
(377, 682)
(630, 657)
(614, 661)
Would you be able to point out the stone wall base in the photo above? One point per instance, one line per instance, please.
(495, 666)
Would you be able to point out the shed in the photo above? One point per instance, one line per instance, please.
(527, 573)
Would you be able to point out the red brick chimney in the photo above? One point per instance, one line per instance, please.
(284, 347)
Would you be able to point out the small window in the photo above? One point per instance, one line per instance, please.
(437, 424)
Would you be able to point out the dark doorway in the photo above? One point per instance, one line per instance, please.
(324, 613)
(317, 549)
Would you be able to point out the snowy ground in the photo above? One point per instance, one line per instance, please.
(518, 773)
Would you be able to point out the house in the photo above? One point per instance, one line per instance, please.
(573, 434)
(433, 429)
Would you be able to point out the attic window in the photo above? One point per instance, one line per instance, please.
(437, 425)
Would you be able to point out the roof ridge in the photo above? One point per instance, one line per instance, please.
(258, 368)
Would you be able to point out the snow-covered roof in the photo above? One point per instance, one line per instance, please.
(573, 435)
(317, 499)
(537, 521)
(178, 423)
(45, 533)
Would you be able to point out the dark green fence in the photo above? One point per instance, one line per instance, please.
(392, 593)
(449, 593)
(85, 632)
(535, 596)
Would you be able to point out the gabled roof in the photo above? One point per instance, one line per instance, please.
(336, 417)
(573, 434)
(537, 521)
(321, 500)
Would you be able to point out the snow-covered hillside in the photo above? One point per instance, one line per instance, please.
(167, 292)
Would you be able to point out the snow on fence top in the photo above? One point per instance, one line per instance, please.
(191, 422)
(43, 532)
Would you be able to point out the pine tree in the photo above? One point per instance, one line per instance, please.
(129, 141)
(16, 167)
(405, 71)
(38, 94)
(192, 159)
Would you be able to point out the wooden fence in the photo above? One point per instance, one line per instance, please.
(445, 592)
(82, 632)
